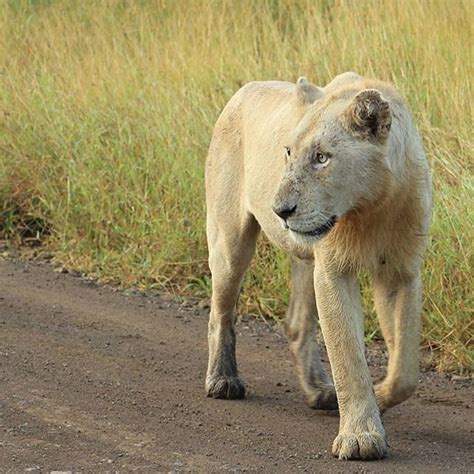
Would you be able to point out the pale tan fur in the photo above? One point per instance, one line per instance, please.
(355, 159)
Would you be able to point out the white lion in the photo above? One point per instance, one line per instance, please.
(337, 177)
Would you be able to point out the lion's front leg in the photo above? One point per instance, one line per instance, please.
(361, 434)
(398, 304)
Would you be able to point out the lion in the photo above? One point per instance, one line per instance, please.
(335, 176)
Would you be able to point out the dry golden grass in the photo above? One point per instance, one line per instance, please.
(107, 108)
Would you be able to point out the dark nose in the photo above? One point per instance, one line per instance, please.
(284, 211)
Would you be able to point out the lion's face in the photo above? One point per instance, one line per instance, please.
(335, 164)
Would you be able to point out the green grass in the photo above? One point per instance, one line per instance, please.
(107, 107)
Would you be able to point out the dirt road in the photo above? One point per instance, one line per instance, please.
(98, 380)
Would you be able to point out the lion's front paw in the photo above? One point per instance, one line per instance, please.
(363, 445)
(225, 387)
(323, 398)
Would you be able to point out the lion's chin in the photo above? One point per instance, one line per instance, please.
(314, 235)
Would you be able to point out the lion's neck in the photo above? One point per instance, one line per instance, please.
(381, 234)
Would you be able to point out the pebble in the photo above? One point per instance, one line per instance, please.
(460, 378)
(61, 270)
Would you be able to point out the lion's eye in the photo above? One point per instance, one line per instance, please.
(288, 151)
(320, 158)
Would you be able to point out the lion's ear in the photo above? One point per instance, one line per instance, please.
(307, 92)
(369, 115)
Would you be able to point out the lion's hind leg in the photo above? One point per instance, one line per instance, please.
(301, 331)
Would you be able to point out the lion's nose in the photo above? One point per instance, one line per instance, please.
(284, 211)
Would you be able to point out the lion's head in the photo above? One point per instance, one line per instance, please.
(336, 162)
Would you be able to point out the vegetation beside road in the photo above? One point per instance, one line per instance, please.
(107, 107)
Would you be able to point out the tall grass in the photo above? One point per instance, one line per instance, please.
(107, 108)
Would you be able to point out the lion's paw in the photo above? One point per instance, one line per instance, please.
(364, 445)
(323, 398)
(225, 387)
(390, 394)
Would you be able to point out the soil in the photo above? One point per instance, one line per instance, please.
(95, 379)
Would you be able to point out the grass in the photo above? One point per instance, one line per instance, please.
(107, 107)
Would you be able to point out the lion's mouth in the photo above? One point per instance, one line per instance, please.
(321, 230)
